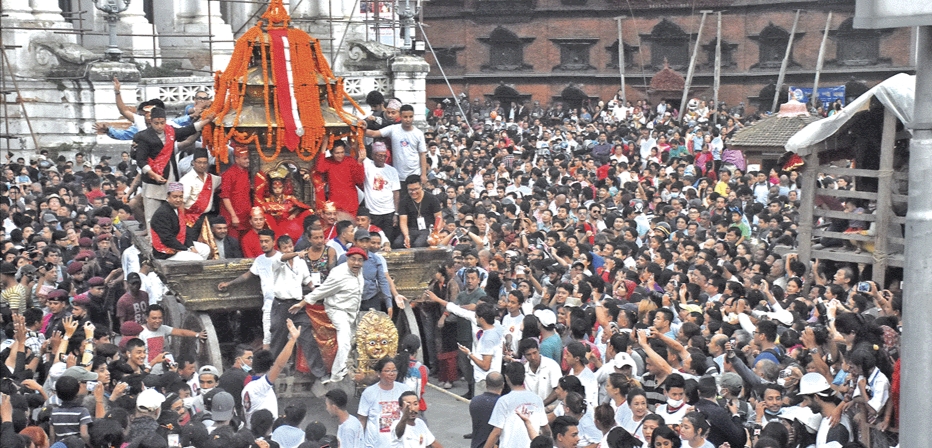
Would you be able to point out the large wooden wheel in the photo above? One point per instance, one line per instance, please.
(205, 352)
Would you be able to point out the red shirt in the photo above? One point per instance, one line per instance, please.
(250, 244)
(235, 186)
(343, 178)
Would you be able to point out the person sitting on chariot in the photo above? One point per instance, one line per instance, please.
(250, 240)
(284, 213)
(169, 230)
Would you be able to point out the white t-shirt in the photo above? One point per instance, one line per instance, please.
(417, 436)
(350, 433)
(513, 326)
(407, 147)
(265, 268)
(163, 332)
(379, 187)
(259, 394)
(380, 407)
(587, 378)
(671, 418)
(514, 432)
(545, 380)
(489, 344)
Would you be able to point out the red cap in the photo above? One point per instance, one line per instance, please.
(357, 251)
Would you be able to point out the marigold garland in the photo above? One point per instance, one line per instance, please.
(309, 67)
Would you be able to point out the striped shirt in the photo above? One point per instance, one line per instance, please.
(68, 418)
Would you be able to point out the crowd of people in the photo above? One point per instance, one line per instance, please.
(618, 279)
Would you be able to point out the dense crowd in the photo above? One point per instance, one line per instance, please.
(618, 279)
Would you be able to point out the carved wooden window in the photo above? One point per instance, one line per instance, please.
(613, 55)
(670, 44)
(728, 50)
(447, 57)
(506, 50)
(857, 47)
(574, 53)
(772, 44)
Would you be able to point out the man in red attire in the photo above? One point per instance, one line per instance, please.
(236, 192)
(344, 174)
(328, 220)
(250, 240)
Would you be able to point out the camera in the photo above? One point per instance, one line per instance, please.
(864, 286)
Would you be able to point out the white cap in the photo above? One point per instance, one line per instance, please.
(623, 359)
(546, 317)
(813, 383)
(149, 400)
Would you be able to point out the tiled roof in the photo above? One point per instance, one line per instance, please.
(772, 131)
(667, 79)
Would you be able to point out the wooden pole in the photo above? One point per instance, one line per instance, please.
(621, 63)
(786, 61)
(884, 209)
(717, 81)
(806, 210)
(818, 68)
(692, 66)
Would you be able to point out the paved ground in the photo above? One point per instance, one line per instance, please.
(447, 416)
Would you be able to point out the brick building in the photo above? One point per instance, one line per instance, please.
(567, 50)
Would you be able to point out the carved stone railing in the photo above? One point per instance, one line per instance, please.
(359, 83)
(178, 92)
(174, 92)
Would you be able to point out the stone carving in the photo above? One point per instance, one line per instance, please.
(58, 57)
(368, 55)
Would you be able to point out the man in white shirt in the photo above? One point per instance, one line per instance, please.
(409, 150)
(382, 190)
(410, 431)
(341, 293)
(259, 391)
(267, 268)
(509, 429)
(486, 352)
(541, 374)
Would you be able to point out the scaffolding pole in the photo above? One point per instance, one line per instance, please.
(786, 62)
(818, 67)
(692, 65)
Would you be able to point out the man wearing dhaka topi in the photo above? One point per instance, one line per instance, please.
(169, 230)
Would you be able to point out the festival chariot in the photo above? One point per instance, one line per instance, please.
(280, 99)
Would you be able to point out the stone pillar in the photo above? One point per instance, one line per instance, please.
(409, 82)
(193, 23)
(47, 11)
(303, 10)
(239, 13)
(16, 10)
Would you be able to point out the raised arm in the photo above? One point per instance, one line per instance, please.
(121, 106)
(285, 354)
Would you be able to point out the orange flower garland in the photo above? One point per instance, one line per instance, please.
(309, 68)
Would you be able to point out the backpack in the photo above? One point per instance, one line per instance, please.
(777, 353)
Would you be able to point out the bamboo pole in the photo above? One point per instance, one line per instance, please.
(692, 66)
(717, 79)
(621, 62)
(786, 62)
(818, 68)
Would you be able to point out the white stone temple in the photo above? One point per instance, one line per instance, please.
(57, 82)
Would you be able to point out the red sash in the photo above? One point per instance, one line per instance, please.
(182, 233)
(200, 205)
(168, 150)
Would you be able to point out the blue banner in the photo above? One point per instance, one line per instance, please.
(827, 94)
